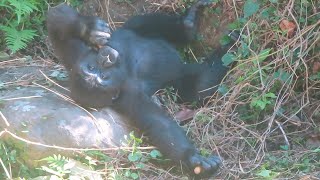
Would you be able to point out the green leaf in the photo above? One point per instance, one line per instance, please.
(265, 14)
(224, 40)
(244, 50)
(223, 89)
(264, 54)
(134, 176)
(16, 39)
(261, 104)
(155, 153)
(264, 173)
(250, 7)
(315, 76)
(22, 8)
(228, 58)
(140, 166)
(127, 173)
(270, 95)
(282, 75)
(316, 150)
(234, 25)
(133, 157)
(284, 147)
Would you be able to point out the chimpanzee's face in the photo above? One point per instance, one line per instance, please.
(95, 76)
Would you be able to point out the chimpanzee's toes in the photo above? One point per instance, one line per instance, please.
(204, 167)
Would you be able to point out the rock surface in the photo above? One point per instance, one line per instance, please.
(40, 116)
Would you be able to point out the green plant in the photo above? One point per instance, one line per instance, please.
(23, 20)
(11, 165)
(17, 34)
(262, 101)
(57, 165)
(136, 157)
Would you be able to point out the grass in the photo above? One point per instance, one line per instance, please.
(265, 120)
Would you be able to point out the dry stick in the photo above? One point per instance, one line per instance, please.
(12, 60)
(17, 98)
(307, 92)
(300, 57)
(13, 82)
(194, 57)
(9, 164)
(5, 169)
(235, 5)
(248, 60)
(284, 134)
(65, 97)
(273, 116)
(5, 131)
(288, 7)
(54, 82)
(110, 21)
(4, 119)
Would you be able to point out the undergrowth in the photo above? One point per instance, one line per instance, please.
(22, 21)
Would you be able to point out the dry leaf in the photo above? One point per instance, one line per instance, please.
(313, 140)
(288, 27)
(185, 114)
(316, 67)
(307, 177)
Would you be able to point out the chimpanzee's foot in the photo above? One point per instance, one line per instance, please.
(190, 21)
(204, 167)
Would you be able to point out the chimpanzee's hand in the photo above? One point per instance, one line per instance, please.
(95, 31)
(203, 167)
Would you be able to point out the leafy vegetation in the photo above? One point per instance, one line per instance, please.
(12, 165)
(61, 167)
(15, 25)
(22, 21)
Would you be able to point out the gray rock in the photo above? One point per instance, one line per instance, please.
(43, 117)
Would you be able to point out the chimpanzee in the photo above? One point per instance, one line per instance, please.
(124, 68)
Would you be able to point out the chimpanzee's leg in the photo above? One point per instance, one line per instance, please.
(198, 86)
(175, 29)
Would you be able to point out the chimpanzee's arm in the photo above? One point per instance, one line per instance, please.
(62, 23)
(163, 131)
(72, 35)
(175, 29)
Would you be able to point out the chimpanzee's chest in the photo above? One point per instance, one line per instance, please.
(146, 58)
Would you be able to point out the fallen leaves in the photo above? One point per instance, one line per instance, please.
(185, 114)
(287, 26)
(316, 67)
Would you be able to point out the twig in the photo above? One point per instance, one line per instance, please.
(284, 134)
(5, 119)
(71, 149)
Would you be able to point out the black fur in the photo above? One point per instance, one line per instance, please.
(124, 68)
